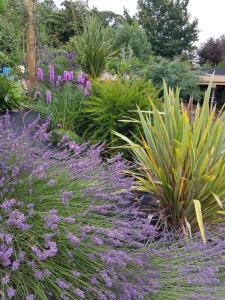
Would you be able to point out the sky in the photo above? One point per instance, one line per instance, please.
(210, 13)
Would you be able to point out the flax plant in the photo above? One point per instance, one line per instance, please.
(181, 159)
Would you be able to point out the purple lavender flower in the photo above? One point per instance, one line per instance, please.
(59, 78)
(51, 219)
(65, 197)
(15, 265)
(73, 239)
(30, 297)
(37, 94)
(71, 55)
(85, 80)
(8, 238)
(48, 97)
(40, 74)
(79, 293)
(51, 73)
(80, 78)
(52, 182)
(5, 279)
(86, 93)
(11, 292)
(88, 85)
(8, 204)
(18, 219)
(65, 139)
(62, 284)
(76, 274)
(57, 83)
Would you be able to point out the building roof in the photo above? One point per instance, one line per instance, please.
(216, 76)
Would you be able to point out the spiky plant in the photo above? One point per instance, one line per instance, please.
(182, 162)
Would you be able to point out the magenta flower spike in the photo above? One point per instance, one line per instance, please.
(40, 74)
(48, 97)
(52, 74)
(65, 75)
(71, 76)
(57, 83)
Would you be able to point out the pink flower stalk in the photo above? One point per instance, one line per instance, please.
(40, 74)
(71, 76)
(59, 78)
(65, 75)
(57, 83)
(52, 74)
(48, 97)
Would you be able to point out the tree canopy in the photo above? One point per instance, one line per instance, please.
(212, 52)
(168, 26)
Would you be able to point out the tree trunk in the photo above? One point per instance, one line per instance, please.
(30, 42)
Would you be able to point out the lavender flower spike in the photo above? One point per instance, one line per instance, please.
(48, 97)
(40, 74)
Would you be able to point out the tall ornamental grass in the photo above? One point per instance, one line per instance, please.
(67, 221)
(182, 161)
(189, 269)
(94, 48)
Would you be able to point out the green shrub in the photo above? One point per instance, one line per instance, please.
(110, 101)
(93, 47)
(182, 162)
(11, 93)
(133, 36)
(175, 73)
(125, 64)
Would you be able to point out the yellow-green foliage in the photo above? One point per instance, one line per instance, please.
(182, 162)
(111, 101)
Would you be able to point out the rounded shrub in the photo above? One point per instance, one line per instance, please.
(67, 221)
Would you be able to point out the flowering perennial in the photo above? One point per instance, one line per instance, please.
(67, 221)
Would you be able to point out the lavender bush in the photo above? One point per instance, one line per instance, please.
(67, 222)
(188, 269)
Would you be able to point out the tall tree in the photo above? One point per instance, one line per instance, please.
(108, 18)
(212, 52)
(168, 26)
(11, 32)
(64, 23)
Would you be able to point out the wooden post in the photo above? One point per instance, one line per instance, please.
(30, 42)
(212, 98)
